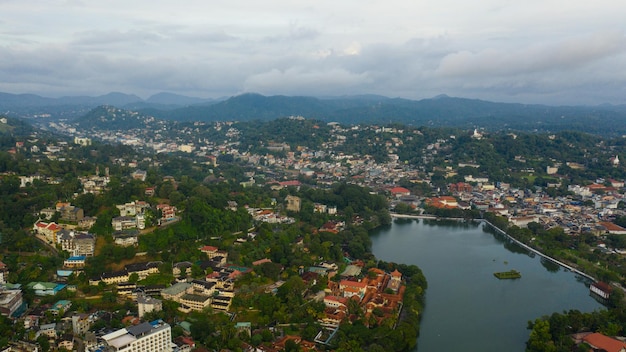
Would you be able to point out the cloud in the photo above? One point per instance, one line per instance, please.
(496, 50)
(565, 55)
(298, 81)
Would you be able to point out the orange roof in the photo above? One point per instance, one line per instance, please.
(611, 226)
(356, 284)
(396, 190)
(603, 342)
(208, 249)
(52, 226)
(396, 273)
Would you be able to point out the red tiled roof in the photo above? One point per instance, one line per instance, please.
(349, 283)
(603, 342)
(611, 226)
(397, 190)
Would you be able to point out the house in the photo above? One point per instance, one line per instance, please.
(612, 228)
(121, 223)
(87, 222)
(601, 289)
(74, 262)
(139, 175)
(66, 342)
(600, 342)
(126, 238)
(353, 288)
(48, 330)
(48, 230)
(446, 202)
(523, 221)
(60, 307)
(168, 213)
(45, 288)
(400, 191)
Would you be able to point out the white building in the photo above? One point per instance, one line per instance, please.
(146, 337)
(147, 304)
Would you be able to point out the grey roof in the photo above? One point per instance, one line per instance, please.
(138, 330)
(176, 288)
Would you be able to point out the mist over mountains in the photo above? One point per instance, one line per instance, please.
(439, 111)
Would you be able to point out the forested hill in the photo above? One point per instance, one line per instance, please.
(437, 112)
(441, 111)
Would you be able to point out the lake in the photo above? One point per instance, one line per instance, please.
(467, 308)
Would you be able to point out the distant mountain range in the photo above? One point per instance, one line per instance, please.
(437, 112)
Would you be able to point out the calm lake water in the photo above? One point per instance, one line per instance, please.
(467, 308)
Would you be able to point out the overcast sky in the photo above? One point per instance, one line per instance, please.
(533, 51)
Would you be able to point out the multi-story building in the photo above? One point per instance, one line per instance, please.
(81, 324)
(155, 336)
(10, 301)
(147, 304)
(84, 244)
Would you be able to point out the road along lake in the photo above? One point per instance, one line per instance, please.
(467, 307)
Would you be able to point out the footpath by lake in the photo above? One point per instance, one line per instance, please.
(467, 308)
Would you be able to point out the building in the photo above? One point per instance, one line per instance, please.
(10, 301)
(168, 213)
(143, 270)
(82, 141)
(45, 288)
(139, 175)
(4, 273)
(147, 304)
(293, 203)
(74, 262)
(84, 244)
(121, 223)
(601, 289)
(600, 342)
(48, 230)
(80, 324)
(71, 213)
(126, 238)
(195, 302)
(155, 336)
(60, 307)
(399, 192)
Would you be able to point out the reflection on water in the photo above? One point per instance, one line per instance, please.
(465, 304)
(550, 265)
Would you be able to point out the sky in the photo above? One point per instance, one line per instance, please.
(535, 51)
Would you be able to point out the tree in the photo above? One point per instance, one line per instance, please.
(540, 339)
(133, 278)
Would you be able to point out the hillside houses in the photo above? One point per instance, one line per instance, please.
(77, 243)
